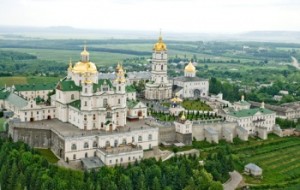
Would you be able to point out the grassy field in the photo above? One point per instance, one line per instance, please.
(278, 157)
(99, 58)
(2, 120)
(48, 154)
(25, 80)
(195, 105)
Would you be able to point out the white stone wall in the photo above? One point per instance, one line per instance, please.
(34, 94)
(118, 138)
(120, 158)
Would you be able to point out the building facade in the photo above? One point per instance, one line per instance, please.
(190, 86)
(159, 87)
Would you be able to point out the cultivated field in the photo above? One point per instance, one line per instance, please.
(278, 157)
(26, 80)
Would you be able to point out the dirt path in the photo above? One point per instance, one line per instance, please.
(295, 63)
(233, 182)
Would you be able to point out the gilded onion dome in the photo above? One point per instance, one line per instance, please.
(160, 45)
(120, 74)
(176, 100)
(84, 65)
(190, 68)
(183, 118)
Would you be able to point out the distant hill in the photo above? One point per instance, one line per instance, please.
(64, 32)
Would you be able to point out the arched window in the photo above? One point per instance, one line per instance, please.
(124, 141)
(95, 144)
(140, 138)
(86, 145)
(74, 147)
(102, 125)
(74, 156)
(72, 96)
(150, 137)
(116, 143)
(86, 155)
(107, 144)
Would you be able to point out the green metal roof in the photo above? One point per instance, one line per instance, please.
(76, 104)
(34, 87)
(250, 112)
(68, 85)
(100, 83)
(3, 95)
(130, 88)
(243, 102)
(131, 103)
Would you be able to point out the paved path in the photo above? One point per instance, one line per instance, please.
(295, 63)
(233, 182)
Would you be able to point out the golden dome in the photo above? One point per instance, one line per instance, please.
(190, 68)
(84, 67)
(160, 45)
(84, 52)
(183, 116)
(176, 100)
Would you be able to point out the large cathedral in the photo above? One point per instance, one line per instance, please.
(159, 87)
(88, 102)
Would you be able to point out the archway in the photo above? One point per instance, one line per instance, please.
(197, 93)
(140, 113)
(49, 117)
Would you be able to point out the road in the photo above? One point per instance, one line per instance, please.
(233, 182)
(295, 63)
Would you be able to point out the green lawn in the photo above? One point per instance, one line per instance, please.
(48, 154)
(195, 105)
(2, 120)
(278, 157)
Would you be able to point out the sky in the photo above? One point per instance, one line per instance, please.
(216, 16)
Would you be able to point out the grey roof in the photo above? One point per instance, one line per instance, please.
(16, 100)
(253, 167)
(176, 88)
(189, 79)
(92, 163)
(139, 75)
(130, 75)
(110, 76)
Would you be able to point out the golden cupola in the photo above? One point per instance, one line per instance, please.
(84, 65)
(120, 74)
(190, 68)
(160, 45)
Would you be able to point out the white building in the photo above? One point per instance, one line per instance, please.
(89, 103)
(253, 119)
(32, 91)
(89, 117)
(241, 105)
(190, 86)
(159, 87)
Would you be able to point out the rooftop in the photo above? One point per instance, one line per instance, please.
(69, 130)
(35, 87)
(189, 79)
(250, 112)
